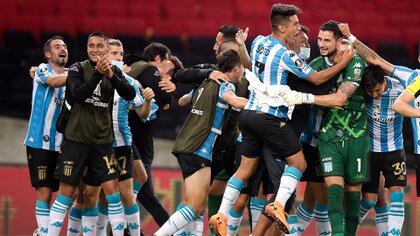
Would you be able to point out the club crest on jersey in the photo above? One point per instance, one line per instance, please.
(43, 70)
(376, 110)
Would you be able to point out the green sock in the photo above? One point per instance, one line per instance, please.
(335, 208)
(213, 204)
(352, 212)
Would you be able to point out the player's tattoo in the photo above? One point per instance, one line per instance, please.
(348, 88)
(365, 51)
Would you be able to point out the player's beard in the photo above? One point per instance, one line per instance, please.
(330, 54)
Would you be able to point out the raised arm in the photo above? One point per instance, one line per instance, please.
(364, 51)
(240, 38)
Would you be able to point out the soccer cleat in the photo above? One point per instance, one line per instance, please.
(276, 210)
(218, 224)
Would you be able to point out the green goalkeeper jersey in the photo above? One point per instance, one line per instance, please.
(350, 121)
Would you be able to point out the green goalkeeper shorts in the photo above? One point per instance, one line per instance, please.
(348, 159)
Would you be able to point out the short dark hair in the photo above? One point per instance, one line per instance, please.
(99, 34)
(115, 42)
(47, 44)
(372, 76)
(155, 49)
(280, 14)
(229, 60)
(223, 46)
(304, 29)
(332, 26)
(229, 31)
(177, 63)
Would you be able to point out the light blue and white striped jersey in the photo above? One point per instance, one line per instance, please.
(206, 148)
(384, 124)
(407, 74)
(46, 107)
(271, 63)
(122, 134)
(311, 132)
(153, 108)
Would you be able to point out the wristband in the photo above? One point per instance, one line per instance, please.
(308, 98)
(352, 38)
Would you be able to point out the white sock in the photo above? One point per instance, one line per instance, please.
(381, 220)
(89, 219)
(322, 220)
(234, 219)
(396, 213)
(304, 217)
(132, 214)
(186, 229)
(74, 225)
(102, 223)
(289, 181)
(116, 214)
(293, 223)
(365, 207)
(42, 213)
(197, 225)
(256, 206)
(177, 221)
(233, 189)
(57, 214)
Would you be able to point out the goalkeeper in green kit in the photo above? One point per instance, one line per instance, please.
(343, 141)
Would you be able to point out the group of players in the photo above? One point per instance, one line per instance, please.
(258, 125)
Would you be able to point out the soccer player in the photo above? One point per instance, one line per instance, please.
(144, 69)
(195, 141)
(343, 142)
(42, 139)
(88, 138)
(402, 104)
(386, 149)
(260, 122)
(122, 144)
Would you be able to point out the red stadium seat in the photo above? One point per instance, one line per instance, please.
(130, 26)
(36, 7)
(29, 22)
(202, 28)
(74, 8)
(107, 25)
(180, 12)
(8, 8)
(219, 16)
(256, 10)
(53, 23)
(150, 13)
(170, 28)
(110, 10)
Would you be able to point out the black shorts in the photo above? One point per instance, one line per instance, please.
(191, 163)
(124, 156)
(269, 172)
(392, 166)
(42, 165)
(258, 128)
(96, 163)
(223, 157)
(313, 171)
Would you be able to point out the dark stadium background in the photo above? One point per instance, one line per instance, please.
(188, 28)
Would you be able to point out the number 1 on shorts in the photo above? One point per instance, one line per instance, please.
(359, 164)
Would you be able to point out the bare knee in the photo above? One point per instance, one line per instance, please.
(44, 194)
